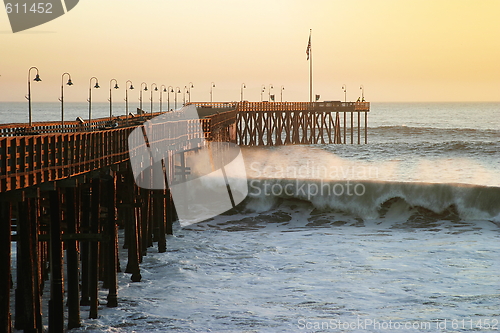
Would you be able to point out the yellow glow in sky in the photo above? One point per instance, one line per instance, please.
(412, 50)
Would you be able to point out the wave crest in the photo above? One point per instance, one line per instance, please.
(372, 199)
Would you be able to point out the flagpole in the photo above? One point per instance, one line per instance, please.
(310, 68)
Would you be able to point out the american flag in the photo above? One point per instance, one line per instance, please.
(308, 47)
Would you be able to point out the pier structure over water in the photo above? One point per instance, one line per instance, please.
(68, 187)
(281, 123)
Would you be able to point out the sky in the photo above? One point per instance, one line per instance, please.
(399, 51)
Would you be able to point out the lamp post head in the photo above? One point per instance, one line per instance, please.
(37, 78)
(116, 86)
(145, 88)
(97, 85)
(164, 89)
(69, 82)
(131, 87)
(156, 88)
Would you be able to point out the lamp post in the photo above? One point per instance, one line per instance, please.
(186, 89)
(110, 99)
(37, 79)
(262, 88)
(69, 83)
(344, 88)
(362, 93)
(190, 85)
(140, 95)
(270, 87)
(243, 86)
(177, 91)
(162, 90)
(126, 96)
(282, 88)
(151, 98)
(90, 97)
(170, 89)
(212, 85)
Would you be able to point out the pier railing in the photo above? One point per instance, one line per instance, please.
(48, 152)
(19, 129)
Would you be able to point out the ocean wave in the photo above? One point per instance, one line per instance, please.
(374, 199)
(457, 133)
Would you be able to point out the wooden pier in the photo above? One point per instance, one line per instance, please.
(69, 187)
(281, 123)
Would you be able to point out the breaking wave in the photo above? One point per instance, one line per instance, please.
(374, 199)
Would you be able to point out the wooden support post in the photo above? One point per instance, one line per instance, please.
(94, 249)
(352, 128)
(156, 215)
(56, 305)
(28, 316)
(112, 243)
(337, 129)
(33, 195)
(139, 210)
(149, 220)
(132, 229)
(359, 127)
(171, 214)
(345, 125)
(5, 262)
(85, 229)
(159, 218)
(366, 127)
(72, 267)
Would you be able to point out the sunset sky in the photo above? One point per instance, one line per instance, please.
(411, 50)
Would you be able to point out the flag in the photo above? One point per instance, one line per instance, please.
(308, 47)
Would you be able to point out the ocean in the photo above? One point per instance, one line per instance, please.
(400, 234)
